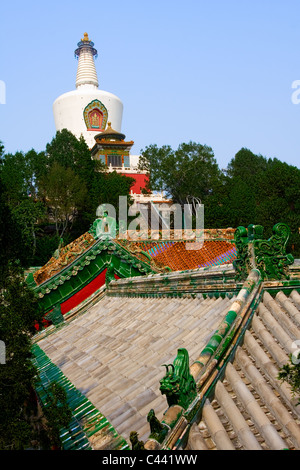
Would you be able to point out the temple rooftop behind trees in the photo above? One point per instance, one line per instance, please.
(159, 347)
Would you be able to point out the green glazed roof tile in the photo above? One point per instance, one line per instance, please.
(86, 419)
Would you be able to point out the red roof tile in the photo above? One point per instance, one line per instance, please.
(179, 256)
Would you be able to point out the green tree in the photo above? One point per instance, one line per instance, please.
(66, 195)
(246, 165)
(21, 425)
(108, 187)
(26, 215)
(20, 174)
(244, 172)
(37, 163)
(19, 191)
(9, 234)
(241, 202)
(189, 171)
(13, 242)
(218, 207)
(14, 176)
(290, 373)
(19, 312)
(2, 148)
(264, 192)
(278, 199)
(57, 413)
(70, 152)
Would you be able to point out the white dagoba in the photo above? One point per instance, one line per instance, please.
(86, 110)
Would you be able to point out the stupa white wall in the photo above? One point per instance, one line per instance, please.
(68, 111)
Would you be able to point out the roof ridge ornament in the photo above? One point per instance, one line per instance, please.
(268, 256)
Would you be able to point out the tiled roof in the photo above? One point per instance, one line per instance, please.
(113, 354)
(217, 249)
(178, 257)
(251, 408)
(88, 428)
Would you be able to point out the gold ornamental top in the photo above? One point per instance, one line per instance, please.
(85, 37)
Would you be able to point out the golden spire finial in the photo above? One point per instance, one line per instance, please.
(85, 37)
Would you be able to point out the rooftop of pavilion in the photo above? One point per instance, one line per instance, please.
(111, 350)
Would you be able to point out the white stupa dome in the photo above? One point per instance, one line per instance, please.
(86, 110)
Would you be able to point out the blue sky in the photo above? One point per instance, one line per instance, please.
(217, 72)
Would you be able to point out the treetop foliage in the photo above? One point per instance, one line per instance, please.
(55, 193)
(177, 172)
(252, 189)
(63, 186)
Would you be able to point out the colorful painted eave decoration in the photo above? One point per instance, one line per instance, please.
(86, 273)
